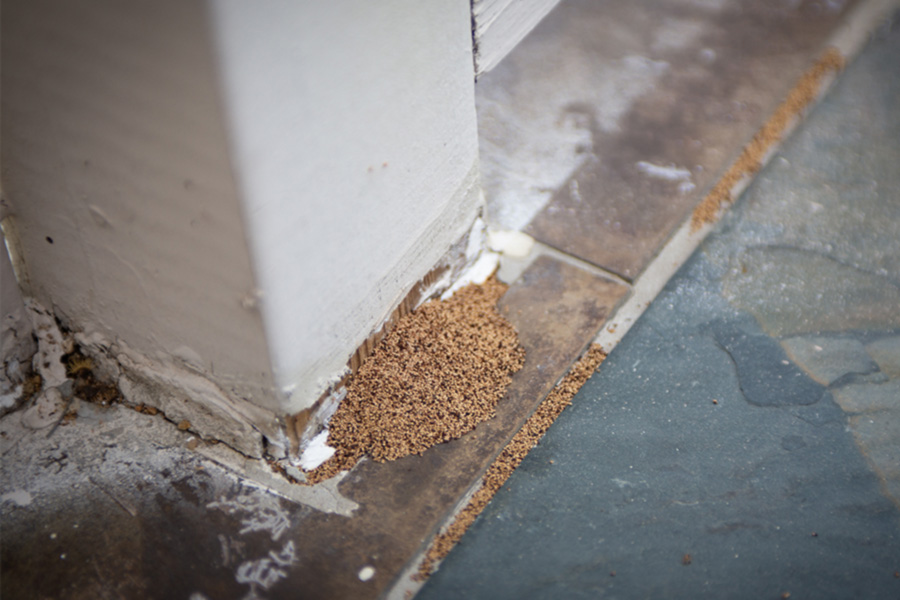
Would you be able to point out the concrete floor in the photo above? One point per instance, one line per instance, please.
(743, 441)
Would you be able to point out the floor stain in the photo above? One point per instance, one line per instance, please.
(863, 377)
(765, 374)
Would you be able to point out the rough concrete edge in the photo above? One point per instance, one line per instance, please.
(182, 392)
(235, 434)
(323, 497)
(410, 580)
(184, 395)
(848, 39)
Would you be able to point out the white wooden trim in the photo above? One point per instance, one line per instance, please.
(499, 25)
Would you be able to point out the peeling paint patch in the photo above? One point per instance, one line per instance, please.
(17, 497)
(51, 345)
(317, 452)
(213, 413)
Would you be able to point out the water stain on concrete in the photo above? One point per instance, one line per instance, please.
(864, 381)
(829, 359)
(765, 375)
(886, 352)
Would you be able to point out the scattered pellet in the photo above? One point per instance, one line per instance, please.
(512, 455)
(750, 160)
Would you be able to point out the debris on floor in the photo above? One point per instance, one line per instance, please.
(530, 434)
(440, 372)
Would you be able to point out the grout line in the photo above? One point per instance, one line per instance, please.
(849, 39)
(651, 282)
(854, 33)
(582, 264)
(768, 138)
(512, 267)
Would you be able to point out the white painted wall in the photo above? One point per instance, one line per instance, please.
(353, 123)
(114, 148)
(237, 193)
(116, 168)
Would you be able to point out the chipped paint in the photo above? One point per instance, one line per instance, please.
(51, 344)
(317, 452)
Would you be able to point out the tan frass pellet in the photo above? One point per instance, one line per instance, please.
(750, 160)
(433, 378)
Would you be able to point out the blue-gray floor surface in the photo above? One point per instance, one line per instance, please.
(743, 441)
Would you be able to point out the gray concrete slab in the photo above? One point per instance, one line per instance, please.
(742, 441)
(117, 505)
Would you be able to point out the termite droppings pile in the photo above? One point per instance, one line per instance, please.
(433, 378)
